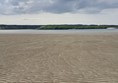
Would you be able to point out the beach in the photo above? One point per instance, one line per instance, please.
(59, 58)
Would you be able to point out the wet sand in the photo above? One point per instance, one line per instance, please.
(73, 58)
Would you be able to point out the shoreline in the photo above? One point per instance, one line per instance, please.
(63, 32)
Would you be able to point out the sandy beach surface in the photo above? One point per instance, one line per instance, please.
(58, 58)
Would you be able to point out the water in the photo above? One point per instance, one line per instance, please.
(81, 31)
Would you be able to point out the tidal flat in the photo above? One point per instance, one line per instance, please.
(59, 58)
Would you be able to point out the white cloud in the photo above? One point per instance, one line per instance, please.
(105, 17)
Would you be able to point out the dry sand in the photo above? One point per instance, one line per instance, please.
(59, 58)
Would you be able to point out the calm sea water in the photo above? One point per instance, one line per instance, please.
(81, 31)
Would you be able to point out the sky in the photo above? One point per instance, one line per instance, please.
(58, 12)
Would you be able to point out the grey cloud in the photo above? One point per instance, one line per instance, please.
(55, 6)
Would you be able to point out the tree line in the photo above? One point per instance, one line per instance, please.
(57, 27)
(19, 26)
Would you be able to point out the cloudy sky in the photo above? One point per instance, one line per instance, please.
(59, 12)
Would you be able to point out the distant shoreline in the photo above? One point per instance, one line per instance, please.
(56, 27)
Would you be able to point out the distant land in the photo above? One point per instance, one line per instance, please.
(56, 27)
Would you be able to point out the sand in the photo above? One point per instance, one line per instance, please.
(59, 58)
